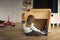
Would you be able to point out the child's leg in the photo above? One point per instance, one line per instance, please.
(28, 34)
(34, 33)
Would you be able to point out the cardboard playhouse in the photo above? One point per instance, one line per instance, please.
(42, 18)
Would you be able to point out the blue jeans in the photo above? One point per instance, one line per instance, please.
(34, 33)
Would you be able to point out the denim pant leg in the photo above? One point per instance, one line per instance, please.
(35, 33)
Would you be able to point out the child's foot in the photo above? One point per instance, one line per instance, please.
(46, 33)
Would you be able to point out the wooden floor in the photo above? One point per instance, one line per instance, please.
(16, 33)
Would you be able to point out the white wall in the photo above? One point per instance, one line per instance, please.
(11, 8)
